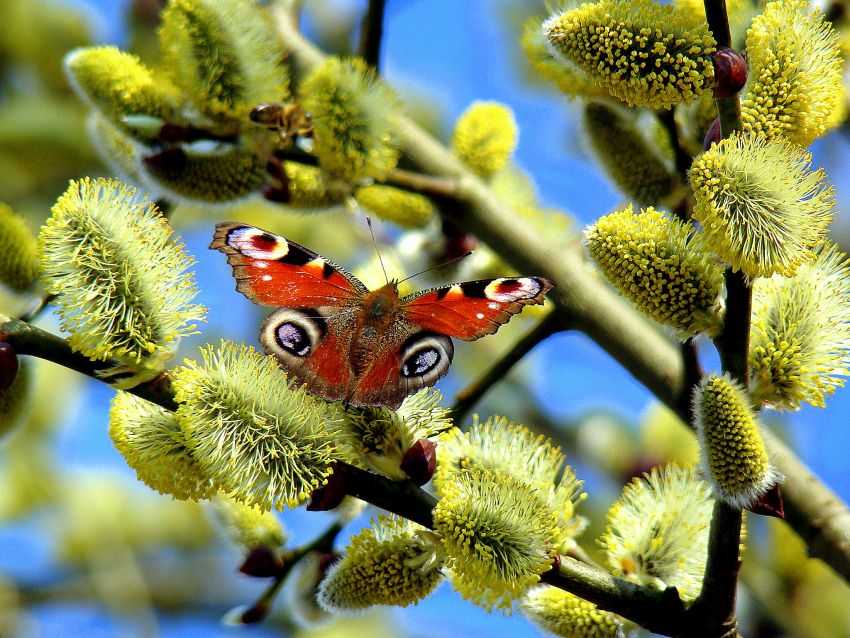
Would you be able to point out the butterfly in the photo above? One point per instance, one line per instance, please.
(347, 343)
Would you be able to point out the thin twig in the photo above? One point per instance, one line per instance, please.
(371, 33)
(322, 543)
(28, 339)
(659, 610)
(471, 394)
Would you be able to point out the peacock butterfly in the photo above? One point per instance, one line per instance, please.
(345, 342)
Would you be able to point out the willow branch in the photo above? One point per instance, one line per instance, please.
(587, 302)
(28, 339)
(659, 610)
(471, 394)
(371, 33)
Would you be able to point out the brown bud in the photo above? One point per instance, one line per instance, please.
(328, 496)
(420, 461)
(274, 167)
(173, 133)
(730, 72)
(254, 614)
(712, 135)
(167, 161)
(8, 366)
(277, 194)
(261, 562)
(769, 504)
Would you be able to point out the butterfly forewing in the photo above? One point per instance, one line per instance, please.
(473, 309)
(273, 271)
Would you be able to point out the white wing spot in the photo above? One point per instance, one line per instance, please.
(267, 277)
(493, 305)
(480, 315)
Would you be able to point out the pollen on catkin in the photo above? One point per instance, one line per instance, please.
(381, 436)
(563, 614)
(353, 120)
(635, 163)
(405, 209)
(249, 525)
(485, 137)
(395, 562)
(509, 449)
(643, 52)
(262, 441)
(152, 442)
(761, 208)
(18, 251)
(122, 281)
(224, 54)
(225, 174)
(570, 79)
(800, 339)
(795, 73)
(498, 535)
(657, 532)
(734, 458)
(658, 262)
(117, 83)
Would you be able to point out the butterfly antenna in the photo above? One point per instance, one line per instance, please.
(374, 241)
(440, 265)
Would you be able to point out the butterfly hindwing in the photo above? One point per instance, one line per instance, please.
(313, 345)
(413, 359)
(473, 309)
(273, 271)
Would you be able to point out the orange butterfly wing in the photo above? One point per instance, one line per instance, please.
(273, 271)
(473, 309)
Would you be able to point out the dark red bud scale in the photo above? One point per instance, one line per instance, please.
(420, 461)
(329, 496)
(730, 72)
(261, 562)
(254, 614)
(277, 194)
(8, 366)
(712, 135)
(168, 161)
(769, 504)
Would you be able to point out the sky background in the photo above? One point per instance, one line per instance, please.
(451, 53)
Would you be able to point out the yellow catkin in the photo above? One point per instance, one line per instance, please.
(643, 52)
(734, 457)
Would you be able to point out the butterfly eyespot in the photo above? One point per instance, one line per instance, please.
(427, 356)
(291, 333)
(293, 338)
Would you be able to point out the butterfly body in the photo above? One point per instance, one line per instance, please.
(345, 342)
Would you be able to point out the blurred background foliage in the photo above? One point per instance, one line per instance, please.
(86, 550)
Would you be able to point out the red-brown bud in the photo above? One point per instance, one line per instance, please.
(712, 135)
(8, 366)
(420, 461)
(261, 562)
(168, 161)
(330, 495)
(730, 72)
(277, 194)
(769, 504)
(254, 614)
